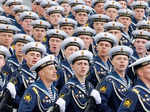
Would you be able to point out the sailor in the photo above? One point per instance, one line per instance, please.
(111, 9)
(75, 94)
(39, 30)
(140, 39)
(42, 94)
(26, 18)
(55, 14)
(55, 38)
(86, 34)
(6, 35)
(98, 6)
(81, 14)
(102, 63)
(115, 85)
(97, 22)
(117, 29)
(68, 25)
(23, 77)
(137, 99)
(16, 60)
(69, 46)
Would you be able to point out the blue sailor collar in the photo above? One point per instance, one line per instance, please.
(97, 60)
(40, 85)
(117, 76)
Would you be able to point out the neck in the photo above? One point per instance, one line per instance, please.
(47, 83)
(104, 58)
(121, 73)
(141, 55)
(126, 29)
(147, 83)
(20, 59)
(81, 78)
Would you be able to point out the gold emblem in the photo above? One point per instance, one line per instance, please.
(121, 49)
(27, 97)
(82, 53)
(57, 31)
(135, 90)
(75, 39)
(127, 103)
(24, 37)
(30, 14)
(7, 27)
(103, 89)
(62, 95)
(50, 57)
(66, 20)
(40, 22)
(36, 45)
(141, 33)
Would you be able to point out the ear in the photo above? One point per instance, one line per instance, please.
(140, 72)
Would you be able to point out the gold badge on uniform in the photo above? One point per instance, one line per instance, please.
(103, 89)
(62, 95)
(127, 103)
(27, 97)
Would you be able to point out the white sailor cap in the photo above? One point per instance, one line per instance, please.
(140, 62)
(56, 33)
(74, 3)
(72, 41)
(125, 13)
(141, 25)
(63, 1)
(55, 9)
(113, 26)
(82, 8)
(3, 2)
(45, 61)
(5, 20)
(141, 34)
(48, 3)
(37, 2)
(139, 4)
(34, 46)
(147, 46)
(9, 28)
(112, 4)
(81, 55)
(67, 22)
(105, 36)
(5, 52)
(84, 31)
(120, 50)
(1, 10)
(13, 2)
(99, 18)
(28, 15)
(21, 8)
(24, 38)
(94, 2)
(39, 23)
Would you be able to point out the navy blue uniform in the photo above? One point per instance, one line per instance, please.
(22, 79)
(76, 95)
(99, 70)
(38, 98)
(113, 89)
(137, 99)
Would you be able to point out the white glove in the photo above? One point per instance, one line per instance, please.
(96, 95)
(12, 89)
(62, 103)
